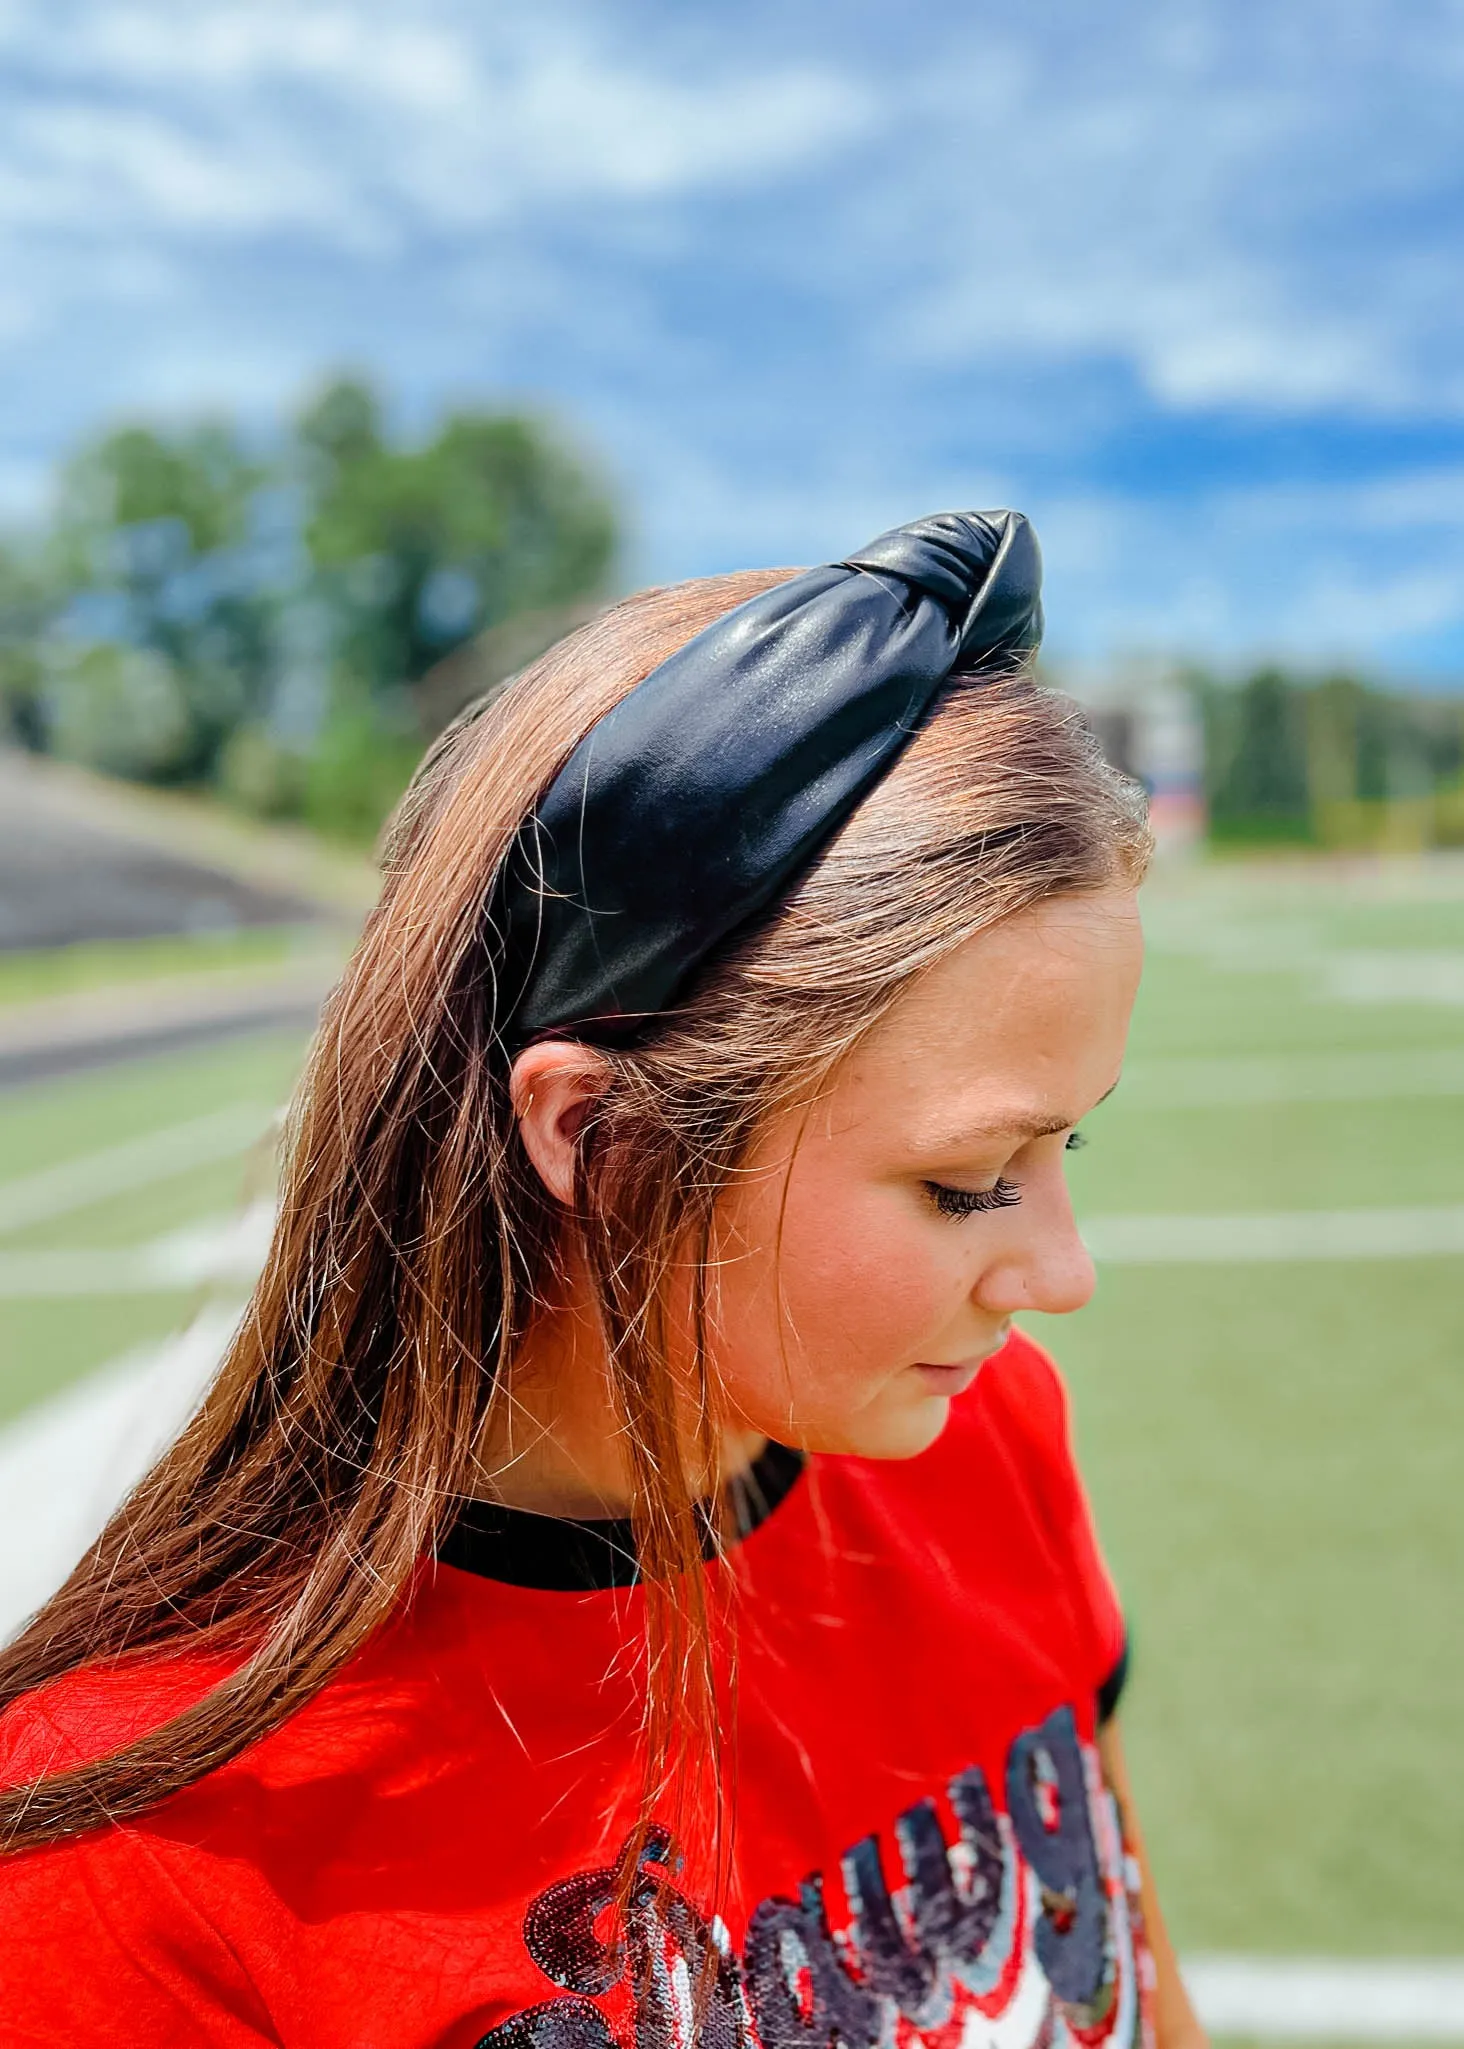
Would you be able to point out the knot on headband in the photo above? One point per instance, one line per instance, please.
(695, 802)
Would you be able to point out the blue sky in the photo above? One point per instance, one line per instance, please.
(1180, 278)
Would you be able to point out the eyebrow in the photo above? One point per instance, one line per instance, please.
(1041, 1127)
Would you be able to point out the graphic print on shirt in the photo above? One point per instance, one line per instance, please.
(1011, 1931)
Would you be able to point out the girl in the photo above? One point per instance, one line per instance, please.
(629, 1582)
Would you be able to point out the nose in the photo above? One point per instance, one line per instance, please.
(1041, 1261)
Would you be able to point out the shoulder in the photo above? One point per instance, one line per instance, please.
(88, 1713)
(396, 1690)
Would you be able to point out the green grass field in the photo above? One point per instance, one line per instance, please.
(1275, 1449)
(48, 1341)
(107, 964)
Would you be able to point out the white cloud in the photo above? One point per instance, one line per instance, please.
(90, 169)
(1231, 575)
(797, 288)
(345, 50)
(1167, 189)
(317, 116)
(813, 512)
(1333, 575)
(183, 378)
(1240, 225)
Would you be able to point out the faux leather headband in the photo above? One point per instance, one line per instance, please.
(693, 804)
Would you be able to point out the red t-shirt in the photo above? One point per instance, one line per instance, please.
(422, 1856)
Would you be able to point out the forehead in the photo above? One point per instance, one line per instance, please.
(1021, 1027)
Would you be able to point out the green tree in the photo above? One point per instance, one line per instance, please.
(154, 543)
(123, 710)
(196, 485)
(199, 612)
(341, 425)
(1256, 758)
(425, 547)
(27, 600)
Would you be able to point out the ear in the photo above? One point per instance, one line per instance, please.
(552, 1086)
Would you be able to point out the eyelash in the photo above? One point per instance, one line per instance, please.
(969, 1202)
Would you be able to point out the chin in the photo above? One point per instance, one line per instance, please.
(898, 1430)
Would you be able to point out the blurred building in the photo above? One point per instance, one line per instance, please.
(1148, 720)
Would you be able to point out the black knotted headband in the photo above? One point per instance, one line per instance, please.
(693, 803)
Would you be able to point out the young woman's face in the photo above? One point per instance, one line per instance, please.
(876, 1249)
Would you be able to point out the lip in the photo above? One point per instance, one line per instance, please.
(956, 1378)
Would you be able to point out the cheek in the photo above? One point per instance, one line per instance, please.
(859, 1287)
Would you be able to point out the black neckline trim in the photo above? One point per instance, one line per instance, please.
(551, 1552)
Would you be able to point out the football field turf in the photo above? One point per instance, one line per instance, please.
(1269, 1384)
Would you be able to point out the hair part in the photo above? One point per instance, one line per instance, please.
(415, 1244)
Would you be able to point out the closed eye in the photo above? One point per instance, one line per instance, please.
(968, 1202)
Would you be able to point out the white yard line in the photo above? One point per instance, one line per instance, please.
(117, 1170)
(1392, 975)
(1265, 1237)
(1175, 1084)
(54, 1276)
(1335, 1999)
(219, 1249)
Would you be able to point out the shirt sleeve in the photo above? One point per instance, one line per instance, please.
(1039, 1417)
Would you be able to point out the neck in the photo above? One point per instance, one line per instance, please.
(553, 1442)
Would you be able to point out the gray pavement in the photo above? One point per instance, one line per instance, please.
(78, 864)
(66, 878)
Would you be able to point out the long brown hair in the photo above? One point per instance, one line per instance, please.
(414, 1242)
